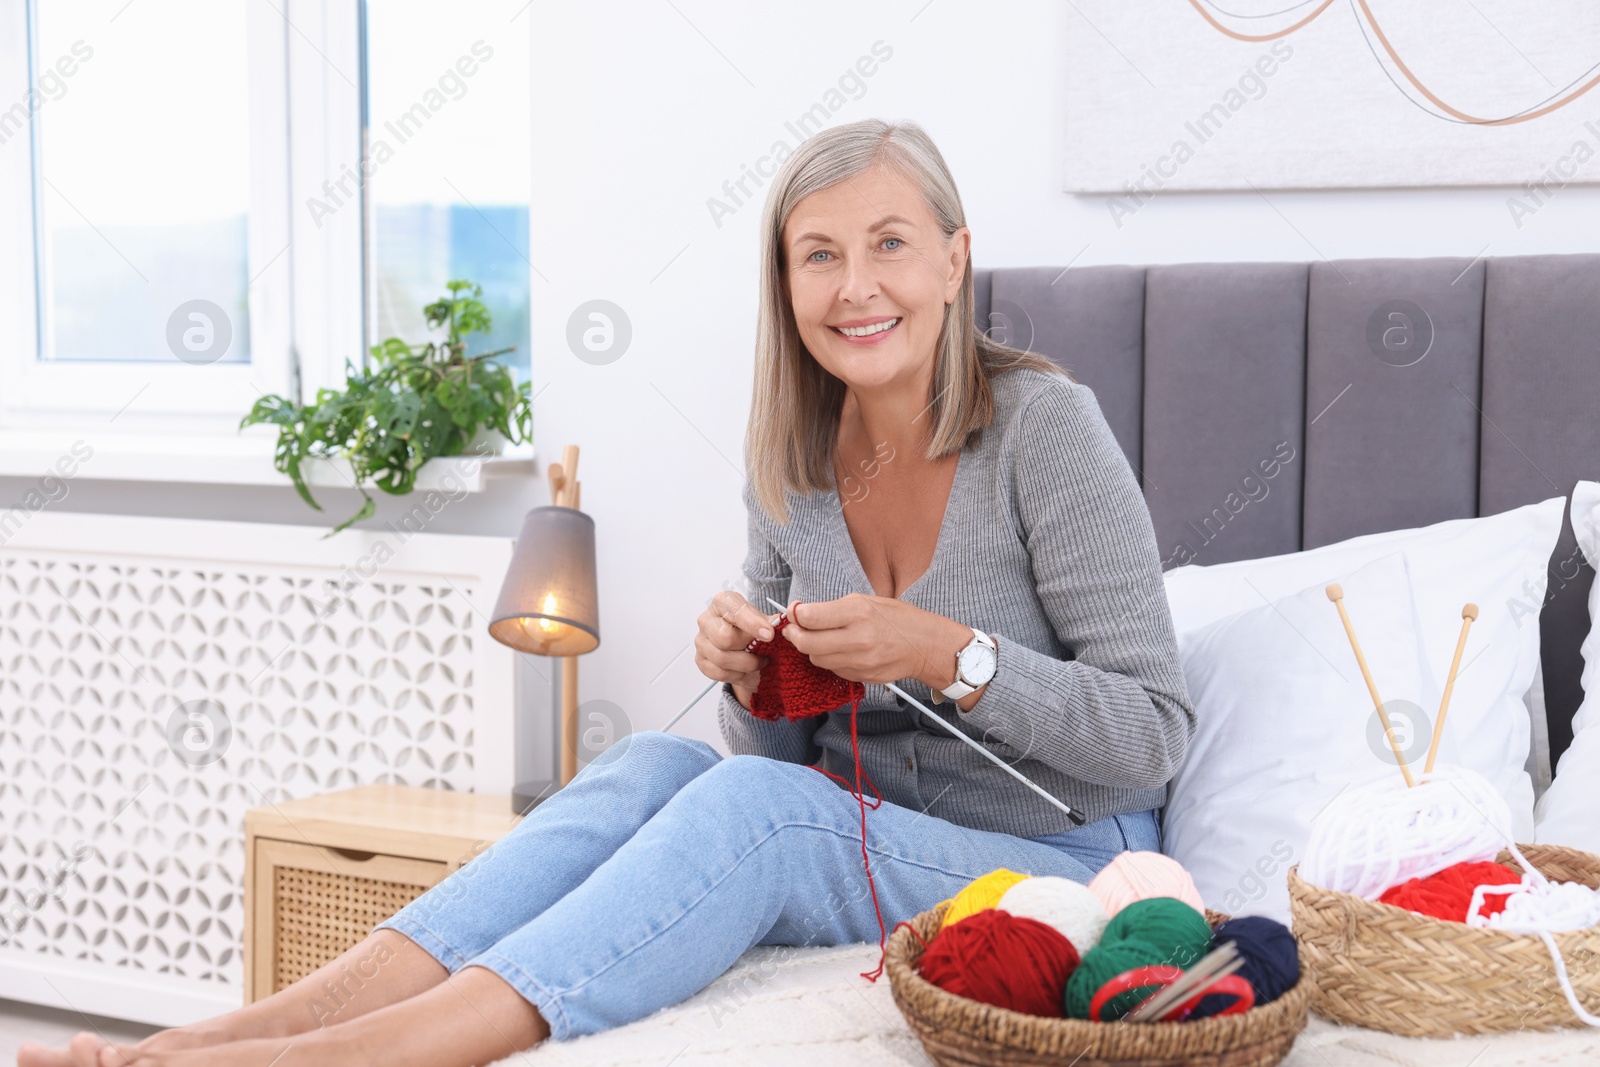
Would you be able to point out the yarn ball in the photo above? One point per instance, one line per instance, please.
(1376, 835)
(1271, 960)
(1101, 964)
(1062, 904)
(1447, 894)
(1134, 876)
(981, 894)
(1002, 959)
(1179, 931)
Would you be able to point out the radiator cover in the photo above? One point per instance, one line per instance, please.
(160, 676)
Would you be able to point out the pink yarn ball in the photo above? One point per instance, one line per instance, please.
(1135, 876)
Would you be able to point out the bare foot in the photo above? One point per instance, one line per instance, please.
(307, 1050)
(86, 1046)
(82, 1051)
(31, 1055)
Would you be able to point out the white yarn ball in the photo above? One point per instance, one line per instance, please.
(1066, 906)
(1381, 833)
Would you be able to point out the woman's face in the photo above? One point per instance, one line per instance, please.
(869, 275)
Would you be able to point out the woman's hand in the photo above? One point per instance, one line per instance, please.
(875, 639)
(728, 624)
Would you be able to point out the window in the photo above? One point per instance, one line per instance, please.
(143, 171)
(448, 164)
(202, 201)
(142, 193)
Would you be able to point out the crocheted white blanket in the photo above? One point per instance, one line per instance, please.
(788, 1007)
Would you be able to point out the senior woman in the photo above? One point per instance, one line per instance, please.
(938, 511)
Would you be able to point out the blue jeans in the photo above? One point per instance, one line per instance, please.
(661, 862)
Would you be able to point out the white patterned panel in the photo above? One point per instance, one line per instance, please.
(122, 864)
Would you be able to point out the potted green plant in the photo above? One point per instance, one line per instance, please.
(407, 405)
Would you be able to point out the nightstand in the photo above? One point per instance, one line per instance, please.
(322, 871)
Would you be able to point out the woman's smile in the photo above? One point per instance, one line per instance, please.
(871, 331)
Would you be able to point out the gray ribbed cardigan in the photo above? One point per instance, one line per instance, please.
(1047, 545)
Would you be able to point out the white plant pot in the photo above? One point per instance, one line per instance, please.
(488, 442)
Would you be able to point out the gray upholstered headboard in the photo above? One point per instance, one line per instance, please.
(1410, 391)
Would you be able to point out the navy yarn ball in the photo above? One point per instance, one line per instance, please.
(1271, 960)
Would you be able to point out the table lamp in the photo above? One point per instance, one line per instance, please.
(549, 606)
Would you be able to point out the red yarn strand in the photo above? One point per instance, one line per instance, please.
(791, 688)
(909, 926)
(855, 752)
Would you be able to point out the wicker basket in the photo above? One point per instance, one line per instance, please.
(958, 1032)
(1387, 968)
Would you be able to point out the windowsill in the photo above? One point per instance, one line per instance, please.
(228, 459)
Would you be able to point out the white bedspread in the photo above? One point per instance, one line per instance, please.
(784, 1007)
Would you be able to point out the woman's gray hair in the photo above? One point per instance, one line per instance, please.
(794, 409)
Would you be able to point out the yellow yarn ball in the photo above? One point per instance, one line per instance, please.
(983, 894)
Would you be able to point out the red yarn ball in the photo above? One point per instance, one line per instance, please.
(1004, 960)
(1447, 894)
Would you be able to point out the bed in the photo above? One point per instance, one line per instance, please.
(1200, 369)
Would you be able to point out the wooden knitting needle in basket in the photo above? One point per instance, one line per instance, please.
(1077, 820)
(1336, 594)
(1469, 612)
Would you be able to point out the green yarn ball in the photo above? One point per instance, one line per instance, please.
(1177, 929)
(1150, 931)
(1101, 964)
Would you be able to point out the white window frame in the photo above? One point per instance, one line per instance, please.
(176, 421)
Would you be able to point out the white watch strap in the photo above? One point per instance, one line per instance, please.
(959, 688)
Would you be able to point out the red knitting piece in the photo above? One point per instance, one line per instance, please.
(792, 687)
(1447, 894)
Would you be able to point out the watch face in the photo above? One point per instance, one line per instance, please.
(977, 664)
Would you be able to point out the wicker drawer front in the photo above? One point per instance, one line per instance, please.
(312, 904)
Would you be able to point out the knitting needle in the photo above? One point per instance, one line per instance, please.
(1161, 1005)
(701, 696)
(1206, 969)
(990, 756)
(1469, 612)
(668, 728)
(1336, 594)
(1218, 963)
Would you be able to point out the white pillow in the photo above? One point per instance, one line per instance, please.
(1202, 594)
(1569, 811)
(1285, 720)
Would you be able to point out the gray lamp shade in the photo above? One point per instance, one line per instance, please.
(548, 605)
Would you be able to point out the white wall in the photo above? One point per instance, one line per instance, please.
(643, 109)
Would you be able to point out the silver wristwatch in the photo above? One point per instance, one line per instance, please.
(975, 665)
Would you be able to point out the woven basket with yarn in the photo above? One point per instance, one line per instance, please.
(957, 1032)
(1390, 969)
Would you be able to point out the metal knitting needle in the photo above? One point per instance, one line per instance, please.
(668, 728)
(1218, 963)
(686, 708)
(990, 756)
